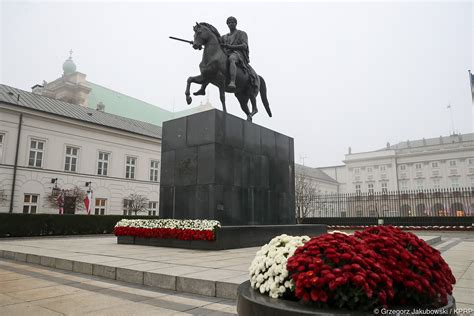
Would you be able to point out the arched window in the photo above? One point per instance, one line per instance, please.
(457, 209)
(372, 211)
(438, 210)
(420, 210)
(405, 210)
(386, 211)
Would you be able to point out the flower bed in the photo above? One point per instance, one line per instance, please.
(380, 267)
(168, 228)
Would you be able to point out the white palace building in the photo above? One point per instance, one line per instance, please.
(432, 163)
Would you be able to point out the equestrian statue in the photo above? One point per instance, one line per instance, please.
(225, 64)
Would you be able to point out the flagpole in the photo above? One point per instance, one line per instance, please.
(471, 81)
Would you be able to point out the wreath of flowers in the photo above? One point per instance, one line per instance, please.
(185, 229)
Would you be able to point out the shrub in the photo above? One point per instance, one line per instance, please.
(23, 225)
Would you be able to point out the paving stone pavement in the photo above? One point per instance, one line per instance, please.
(204, 272)
(27, 289)
(30, 285)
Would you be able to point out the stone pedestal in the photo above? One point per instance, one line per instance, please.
(218, 166)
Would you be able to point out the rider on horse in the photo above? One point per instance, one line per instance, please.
(235, 45)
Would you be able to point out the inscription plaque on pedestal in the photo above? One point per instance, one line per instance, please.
(218, 166)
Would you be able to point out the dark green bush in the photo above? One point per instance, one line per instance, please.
(23, 225)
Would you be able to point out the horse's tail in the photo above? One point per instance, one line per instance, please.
(263, 95)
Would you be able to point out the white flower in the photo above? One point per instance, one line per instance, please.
(268, 272)
(339, 232)
(193, 224)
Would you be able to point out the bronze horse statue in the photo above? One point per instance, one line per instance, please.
(214, 70)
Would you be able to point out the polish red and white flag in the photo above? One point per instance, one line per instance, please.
(88, 202)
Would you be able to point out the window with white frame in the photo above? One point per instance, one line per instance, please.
(127, 207)
(100, 206)
(357, 189)
(370, 188)
(403, 185)
(434, 164)
(436, 184)
(384, 187)
(470, 161)
(383, 168)
(356, 170)
(2, 140)
(130, 165)
(403, 167)
(419, 184)
(452, 163)
(455, 182)
(152, 208)
(30, 203)
(154, 168)
(36, 153)
(370, 169)
(103, 163)
(418, 166)
(70, 163)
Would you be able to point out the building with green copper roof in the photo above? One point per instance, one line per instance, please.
(73, 87)
(124, 105)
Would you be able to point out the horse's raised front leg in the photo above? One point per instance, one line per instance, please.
(202, 91)
(197, 79)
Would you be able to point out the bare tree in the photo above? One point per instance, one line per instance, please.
(306, 193)
(135, 203)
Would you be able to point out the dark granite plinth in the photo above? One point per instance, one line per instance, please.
(218, 166)
(230, 237)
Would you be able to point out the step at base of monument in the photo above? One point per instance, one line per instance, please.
(204, 285)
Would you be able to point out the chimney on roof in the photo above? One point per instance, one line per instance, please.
(388, 145)
(424, 141)
(100, 107)
(349, 150)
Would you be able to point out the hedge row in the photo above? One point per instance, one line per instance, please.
(22, 225)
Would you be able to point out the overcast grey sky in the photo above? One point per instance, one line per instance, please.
(339, 74)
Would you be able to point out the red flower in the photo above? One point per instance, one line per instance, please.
(165, 233)
(386, 265)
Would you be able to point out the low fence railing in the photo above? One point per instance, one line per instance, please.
(452, 202)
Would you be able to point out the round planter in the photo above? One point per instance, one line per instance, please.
(251, 302)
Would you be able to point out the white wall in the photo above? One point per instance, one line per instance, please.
(461, 152)
(59, 132)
